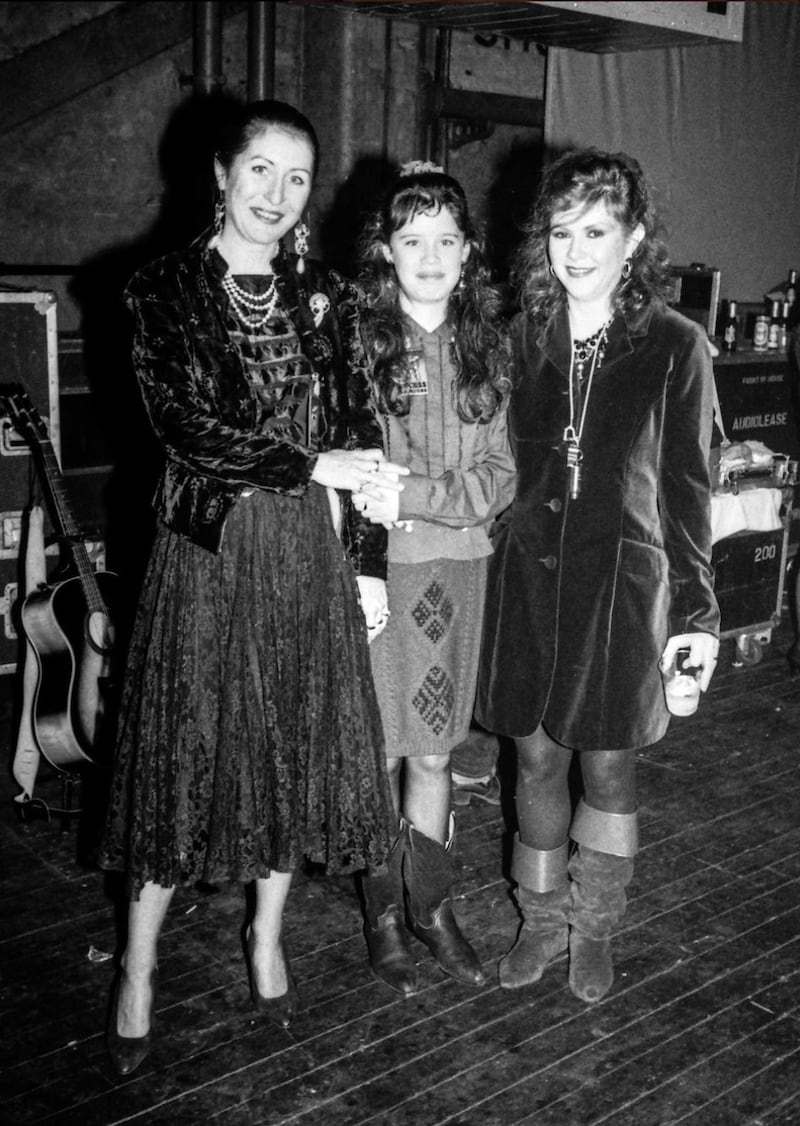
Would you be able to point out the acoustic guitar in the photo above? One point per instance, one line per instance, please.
(69, 624)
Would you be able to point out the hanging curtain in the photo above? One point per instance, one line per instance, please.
(716, 129)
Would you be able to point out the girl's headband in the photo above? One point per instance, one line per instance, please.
(418, 167)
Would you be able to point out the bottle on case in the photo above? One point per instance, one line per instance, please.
(730, 329)
(790, 297)
(774, 333)
(783, 343)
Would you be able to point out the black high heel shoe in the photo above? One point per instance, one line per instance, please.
(280, 1010)
(128, 1052)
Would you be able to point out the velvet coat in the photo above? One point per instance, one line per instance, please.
(584, 593)
(194, 384)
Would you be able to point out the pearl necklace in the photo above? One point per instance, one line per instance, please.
(252, 309)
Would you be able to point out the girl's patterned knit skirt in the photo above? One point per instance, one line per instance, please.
(425, 663)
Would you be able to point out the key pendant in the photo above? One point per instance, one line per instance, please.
(574, 458)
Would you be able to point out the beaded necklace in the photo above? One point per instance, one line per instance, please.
(583, 349)
(252, 309)
(594, 346)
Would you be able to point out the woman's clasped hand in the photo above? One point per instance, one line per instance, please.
(366, 473)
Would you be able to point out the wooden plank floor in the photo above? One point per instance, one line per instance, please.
(702, 1026)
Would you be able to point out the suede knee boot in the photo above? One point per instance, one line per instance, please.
(601, 867)
(427, 871)
(543, 896)
(390, 958)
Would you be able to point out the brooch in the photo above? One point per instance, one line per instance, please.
(319, 305)
(320, 349)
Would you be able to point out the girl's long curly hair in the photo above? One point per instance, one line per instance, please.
(481, 349)
(579, 179)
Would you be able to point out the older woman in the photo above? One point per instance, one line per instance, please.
(249, 735)
(601, 566)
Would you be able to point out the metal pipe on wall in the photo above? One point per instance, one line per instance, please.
(388, 82)
(350, 87)
(438, 134)
(207, 47)
(260, 50)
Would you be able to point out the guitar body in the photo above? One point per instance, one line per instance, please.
(74, 651)
(68, 625)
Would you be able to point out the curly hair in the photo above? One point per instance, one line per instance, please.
(579, 179)
(481, 348)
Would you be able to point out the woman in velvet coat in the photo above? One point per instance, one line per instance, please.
(601, 569)
(249, 733)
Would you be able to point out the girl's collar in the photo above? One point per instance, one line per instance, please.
(444, 330)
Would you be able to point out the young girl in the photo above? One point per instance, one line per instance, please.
(439, 357)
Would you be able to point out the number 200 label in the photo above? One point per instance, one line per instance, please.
(766, 552)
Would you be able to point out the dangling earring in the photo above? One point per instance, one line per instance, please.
(219, 212)
(301, 233)
(460, 287)
(551, 271)
(627, 266)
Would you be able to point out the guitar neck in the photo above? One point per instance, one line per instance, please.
(67, 527)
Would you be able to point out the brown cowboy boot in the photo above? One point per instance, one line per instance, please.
(601, 868)
(544, 898)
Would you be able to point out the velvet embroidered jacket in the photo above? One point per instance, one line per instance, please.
(193, 381)
(584, 593)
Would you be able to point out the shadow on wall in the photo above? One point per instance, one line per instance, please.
(509, 204)
(360, 194)
(186, 160)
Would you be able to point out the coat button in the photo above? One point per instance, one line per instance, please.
(550, 562)
(554, 504)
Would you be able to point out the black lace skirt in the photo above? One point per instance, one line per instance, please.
(249, 733)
